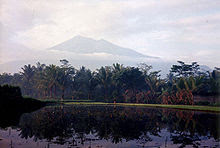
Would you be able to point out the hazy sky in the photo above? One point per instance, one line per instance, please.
(171, 29)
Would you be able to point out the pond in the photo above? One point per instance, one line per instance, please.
(109, 127)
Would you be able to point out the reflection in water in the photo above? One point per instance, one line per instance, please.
(109, 126)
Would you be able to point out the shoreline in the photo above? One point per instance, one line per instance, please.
(182, 107)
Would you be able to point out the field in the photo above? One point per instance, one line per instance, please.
(184, 107)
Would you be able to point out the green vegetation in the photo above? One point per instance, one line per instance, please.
(66, 100)
(11, 101)
(116, 83)
(58, 101)
(187, 107)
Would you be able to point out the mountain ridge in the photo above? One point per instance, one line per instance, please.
(85, 45)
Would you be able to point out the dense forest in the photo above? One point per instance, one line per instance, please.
(115, 83)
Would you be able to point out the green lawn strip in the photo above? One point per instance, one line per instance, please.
(187, 107)
(63, 101)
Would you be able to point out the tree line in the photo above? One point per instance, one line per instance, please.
(115, 83)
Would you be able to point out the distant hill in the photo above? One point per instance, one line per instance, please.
(205, 68)
(79, 51)
(84, 45)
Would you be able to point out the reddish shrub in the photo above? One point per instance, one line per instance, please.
(179, 97)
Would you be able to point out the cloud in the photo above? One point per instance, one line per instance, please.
(166, 28)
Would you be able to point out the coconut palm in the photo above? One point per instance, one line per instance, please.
(65, 76)
(28, 74)
(50, 75)
(104, 79)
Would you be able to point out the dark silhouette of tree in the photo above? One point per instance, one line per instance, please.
(115, 83)
(28, 74)
(104, 79)
(65, 76)
(185, 70)
(84, 82)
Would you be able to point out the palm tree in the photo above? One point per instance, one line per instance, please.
(155, 85)
(104, 78)
(131, 80)
(83, 81)
(50, 75)
(65, 76)
(40, 80)
(117, 69)
(28, 74)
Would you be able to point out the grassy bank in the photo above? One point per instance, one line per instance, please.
(58, 101)
(185, 107)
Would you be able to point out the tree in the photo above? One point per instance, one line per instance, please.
(104, 79)
(185, 70)
(214, 81)
(28, 74)
(117, 93)
(51, 76)
(6, 78)
(144, 68)
(117, 82)
(83, 82)
(155, 86)
(65, 76)
(132, 81)
(40, 80)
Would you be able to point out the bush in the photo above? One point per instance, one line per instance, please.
(11, 100)
(181, 97)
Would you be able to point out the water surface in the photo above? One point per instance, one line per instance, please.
(110, 126)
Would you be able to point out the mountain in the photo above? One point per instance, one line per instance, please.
(79, 51)
(205, 68)
(84, 45)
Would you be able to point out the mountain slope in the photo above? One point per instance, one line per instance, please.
(85, 45)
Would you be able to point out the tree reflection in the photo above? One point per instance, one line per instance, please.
(79, 124)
